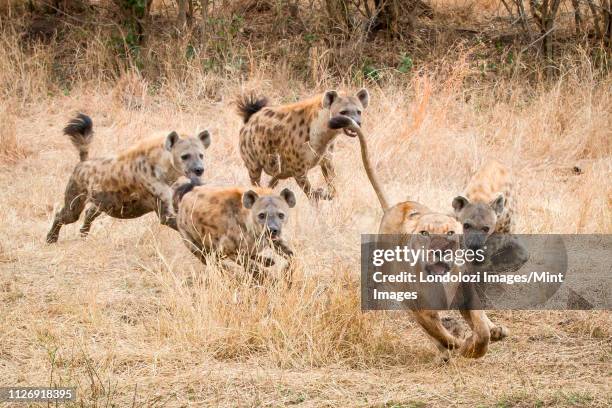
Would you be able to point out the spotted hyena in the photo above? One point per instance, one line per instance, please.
(487, 205)
(288, 140)
(130, 184)
(238, 223)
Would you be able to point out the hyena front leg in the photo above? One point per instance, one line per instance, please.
(74, 202)
(163, 197)
(329, 174)
(255, 174)
(305, 185)
(283, 248)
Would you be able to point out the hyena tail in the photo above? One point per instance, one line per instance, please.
(182, 189)
(250, 104)
(80, 131)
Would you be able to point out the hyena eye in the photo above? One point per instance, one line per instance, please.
(485, 229)
(185, 157)
(281, 216)
(466, 226)
(450, 233)
(425, 233)
(344, 112)
(201, 156)
(261, 216)
(359, 112)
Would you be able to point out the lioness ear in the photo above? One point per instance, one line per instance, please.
(249, 198)
(328, 98)
(364, 97)
(204, 137)
(459, 203)
(289, 197)
(498, 204)
(171, 140)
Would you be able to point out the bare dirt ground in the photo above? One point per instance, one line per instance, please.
(131, 318)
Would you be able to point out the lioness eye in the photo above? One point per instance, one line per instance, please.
(425, 233)
(262, 216)
(450, 233)
(185, 157)
(485, 229)
(281, 216)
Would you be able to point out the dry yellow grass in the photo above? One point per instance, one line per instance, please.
(131, 318)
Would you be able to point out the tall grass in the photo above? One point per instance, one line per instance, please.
(131, 318)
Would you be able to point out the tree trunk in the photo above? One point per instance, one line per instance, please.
(338, 14)
(181, 18)
(386, 15)
(608, 19)
(577, 16)
(203, 24)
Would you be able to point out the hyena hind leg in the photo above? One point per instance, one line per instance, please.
(74, 203)
(90, 215)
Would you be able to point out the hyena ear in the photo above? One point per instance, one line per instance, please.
(364, 97)
(459, 203)
(328, 98)
(289, 197)
(171, 140)
(204, 137)
(498, 204)
(249, 198)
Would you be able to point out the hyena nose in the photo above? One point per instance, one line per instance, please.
(274, 232)
(198, 171)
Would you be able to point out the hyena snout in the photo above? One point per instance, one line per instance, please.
(475, 240)
(274, 230)
(198, 171)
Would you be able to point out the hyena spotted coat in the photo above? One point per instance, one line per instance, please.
(288, 140)
(237, 223)
(487, 205)
(130, 184)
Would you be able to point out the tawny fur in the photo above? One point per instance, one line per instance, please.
(411, 217)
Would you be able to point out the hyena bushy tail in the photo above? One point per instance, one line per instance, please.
(182, 189)
(250, 104)
(80, 131)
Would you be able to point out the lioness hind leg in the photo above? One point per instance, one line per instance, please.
(477, 344)
(497, 332)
